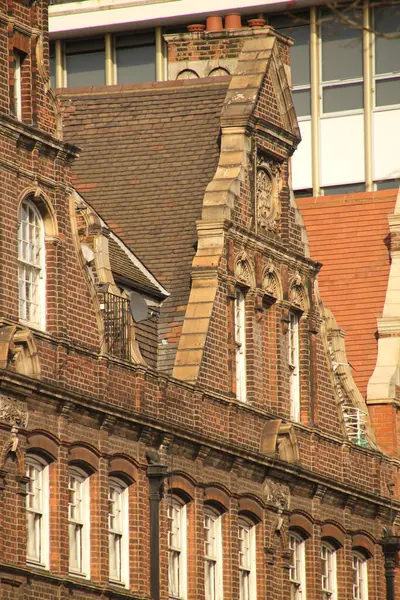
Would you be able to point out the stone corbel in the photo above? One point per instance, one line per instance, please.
(18, 350)
(279, 439)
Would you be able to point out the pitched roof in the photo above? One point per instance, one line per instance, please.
(148, 153)
(349, 235)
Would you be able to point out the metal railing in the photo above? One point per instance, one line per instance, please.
(117, 325)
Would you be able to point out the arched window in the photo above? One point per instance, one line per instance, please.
(247, 559)
(79, 521)
(31, 265)
(37, 511)
(360, 576)
(177, 549)
(328, 570)
(212, 554)
(118, 531)
(297, 571)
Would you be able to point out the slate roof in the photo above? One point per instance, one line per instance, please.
(349, 235)
(148, 153)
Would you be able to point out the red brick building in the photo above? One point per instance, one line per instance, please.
(168, 304)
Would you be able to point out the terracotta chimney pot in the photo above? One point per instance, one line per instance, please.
(196, 28)
(233, 21)
(214, 23)
(257, 22)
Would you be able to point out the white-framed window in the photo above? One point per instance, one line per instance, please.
(31, 265)
(297, 571)
(240, 343)
(177, 549)
(37, 511)
(294, 364)
(328, 571)
(17, 85)
(360, 576)
(212, 554)
(79, 522)
(118, 531)
(341, 62)
(297, 26)
(247, 560)
(387, 49)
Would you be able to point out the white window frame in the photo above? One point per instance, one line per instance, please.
(37, 512)
(328, 571)
(79, 521)
(294, 364)
(247, 559)
(177, 549)
(240, 343)
(381, 76)
(17, 85)
(31, 265)
(297, 570)
(360, 576)
(213, 568)
(118, 531)
(336, 82)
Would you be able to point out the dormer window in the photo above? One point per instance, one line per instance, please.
(31, 265)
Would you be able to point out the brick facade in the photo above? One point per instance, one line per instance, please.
(64, 399)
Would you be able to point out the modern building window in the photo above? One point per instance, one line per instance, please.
(118, 531)
(17, 99)
(328, 570)
(387, 184)
(387, 52)
(212, 554)
(297, 571)
(37, 511)
(297, 26)
(79, 522)
(360, 577)
(240, 344)
(52, 53)
(342, 62)
(349, 188)
(177, 553)
(247, 559)
(31, 265)
(85, 62)
(135, 58)
(294, 365)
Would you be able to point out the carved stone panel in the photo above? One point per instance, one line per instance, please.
(268, 183)
(13, 412)
(277, 494)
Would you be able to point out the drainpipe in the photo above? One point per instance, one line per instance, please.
(391, 547)
(156, 473)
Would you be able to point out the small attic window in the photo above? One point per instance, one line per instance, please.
(118, 325)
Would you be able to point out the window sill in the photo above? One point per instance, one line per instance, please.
(37, 565)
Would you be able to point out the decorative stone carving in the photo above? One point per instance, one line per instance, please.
(297, 293)
(13, 412)
(244, 272)
(18, 350)
(268, 183)
(277, 494)
(271, 283)
(279, 439)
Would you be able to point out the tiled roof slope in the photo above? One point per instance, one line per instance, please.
(148, 153)
(349, 235)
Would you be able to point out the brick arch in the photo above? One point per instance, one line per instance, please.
(123, 467)
(333, 533)
(215, 495)
(82, 453)
(44, 443)
(251, 507)
(363, 542)
(301, 523)
(182, 485)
